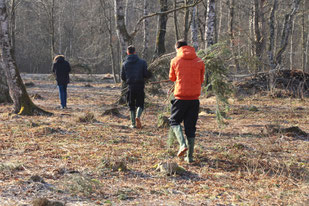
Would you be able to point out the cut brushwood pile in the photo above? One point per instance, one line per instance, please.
(286, 83)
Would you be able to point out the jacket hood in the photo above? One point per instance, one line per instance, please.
(186, 52)
(59, 58)
(132, 58)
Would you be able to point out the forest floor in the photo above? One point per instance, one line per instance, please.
(72, 156)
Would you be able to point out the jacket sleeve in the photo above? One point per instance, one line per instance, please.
(172, 74)
(53, 69)
(147, 73)
(69, 67)
(123, 74)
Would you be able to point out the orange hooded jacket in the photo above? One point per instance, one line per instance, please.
(188, 72)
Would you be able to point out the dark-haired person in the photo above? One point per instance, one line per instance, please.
(187, 70)
(134, 71)
(61, 68)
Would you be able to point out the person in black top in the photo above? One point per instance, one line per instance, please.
(61, 68)
(134, 71)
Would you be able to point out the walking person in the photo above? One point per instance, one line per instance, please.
(61, 68)
(134, 71)
(187, 70)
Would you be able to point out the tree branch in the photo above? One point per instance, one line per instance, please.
(136, 28)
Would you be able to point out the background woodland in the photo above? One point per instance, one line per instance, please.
(85, 31)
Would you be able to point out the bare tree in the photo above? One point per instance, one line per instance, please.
(146, 30)
(176, 21)
(109, 26)
(186, 26)
(22, 103)
(194, 31)
(272, 35)
(259, 30)
(4, 89)
(305, 35)
(232, 33)
(210, 24)
(286, 31)
(161, 29)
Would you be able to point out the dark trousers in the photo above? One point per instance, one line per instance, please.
(187, 111)
(135, 98)
(63, 94)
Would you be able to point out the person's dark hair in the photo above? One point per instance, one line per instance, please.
(180, 43)
(131, 49)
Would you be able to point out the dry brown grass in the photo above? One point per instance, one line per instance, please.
(235, 165)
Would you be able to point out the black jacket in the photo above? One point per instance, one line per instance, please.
(62, 69)
(134, 71)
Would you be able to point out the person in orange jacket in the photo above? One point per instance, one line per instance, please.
(187, 71)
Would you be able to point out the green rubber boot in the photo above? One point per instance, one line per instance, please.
(138, 117)
(189, 157)
(132, 118)
(181, 140)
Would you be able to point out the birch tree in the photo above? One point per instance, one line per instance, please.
(286, 31)
(4, 89)
(22, 103)
(210, 24)
(109, 26)
(146, 30)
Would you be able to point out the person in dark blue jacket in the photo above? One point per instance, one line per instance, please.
(61, 68)
(134, 71)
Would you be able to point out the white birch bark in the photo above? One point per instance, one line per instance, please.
(292, 46)
(18, 93)
(286, 31)
(4, 89)
(210, 24)
(122, 32)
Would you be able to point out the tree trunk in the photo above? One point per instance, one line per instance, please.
(286, 31)
(194, 31)
(272, 35)
(22, 103)
(12, 26)
(220, 19)
(124, 39)
(305, 34)
(186, 21)
(258, 29)
(202, 24)
(146, 30)
(161, 30)
(232, 34)
(52, 30)
(109, 25)
(307, 51)
(4, 89)
(210, 24)
(175, 21)
(122, 33)
(251, 32)
(292, 46)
